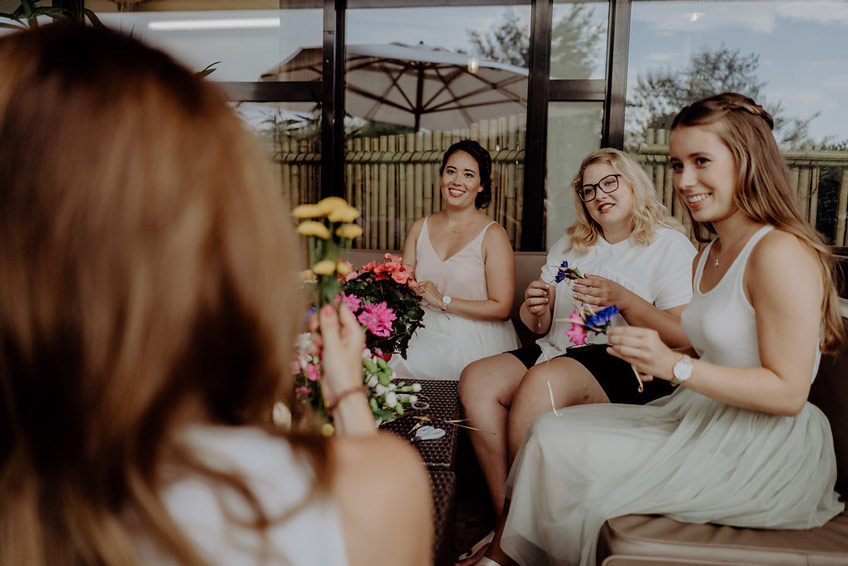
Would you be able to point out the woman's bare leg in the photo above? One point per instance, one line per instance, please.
(486, 388)
(571, 384)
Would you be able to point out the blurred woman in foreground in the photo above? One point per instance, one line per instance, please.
(147, 314)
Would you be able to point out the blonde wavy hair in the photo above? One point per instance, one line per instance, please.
(764, 190)
(148, 279)
(648, 212)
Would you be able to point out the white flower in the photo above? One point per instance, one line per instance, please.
(303, 341)
(373, 381)
(391, 399)
(416, 387)
(381, 389)
(413, 398)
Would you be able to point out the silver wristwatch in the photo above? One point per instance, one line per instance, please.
(682, 370)
(446, 301)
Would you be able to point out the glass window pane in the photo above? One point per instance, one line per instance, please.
(574, 131)
(789, 56)
(291, 134)
(243, 45)
(419, 79)
(579, 39)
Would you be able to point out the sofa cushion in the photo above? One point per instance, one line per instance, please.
(641, 540)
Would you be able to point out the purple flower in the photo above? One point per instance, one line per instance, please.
(602, 318)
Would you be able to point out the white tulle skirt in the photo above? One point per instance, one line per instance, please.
(448, 342)
(685, 456)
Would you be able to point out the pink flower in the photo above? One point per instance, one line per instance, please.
(295, 368)
(313, 372)
(352, 302)
(377, 319)
(577, 333)
(302, 390)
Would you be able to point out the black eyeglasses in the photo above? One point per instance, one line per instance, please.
(608, 184)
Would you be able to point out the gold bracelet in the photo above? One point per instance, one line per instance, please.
(347, 393)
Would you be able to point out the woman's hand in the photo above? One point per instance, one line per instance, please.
(598, 292)
(644, 350)
(430, 294)
(342, 339)
(537, 297)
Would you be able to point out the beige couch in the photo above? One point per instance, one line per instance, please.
(643, 540)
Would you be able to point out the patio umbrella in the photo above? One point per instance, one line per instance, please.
(417, 86)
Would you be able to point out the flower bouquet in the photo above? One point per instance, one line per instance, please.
(583, 321)
(383, 298)
(329, 229)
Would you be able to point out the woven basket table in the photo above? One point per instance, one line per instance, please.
(438, 402)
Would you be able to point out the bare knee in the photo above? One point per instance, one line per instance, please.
(564, 379)
(489, 381)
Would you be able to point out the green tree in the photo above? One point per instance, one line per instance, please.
(658, 95)
(574, 40)
(506, 42)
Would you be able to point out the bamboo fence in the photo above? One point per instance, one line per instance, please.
(394, 179)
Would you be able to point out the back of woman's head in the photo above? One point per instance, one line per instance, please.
(147, 281)
(764, 190)
(648, 212)
(484, 163)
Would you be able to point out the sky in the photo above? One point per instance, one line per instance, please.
(802, 45)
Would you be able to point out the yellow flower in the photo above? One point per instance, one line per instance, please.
(349, 231)
(346, 214)
(327, 206)
(324, 267)
(306, 211)
(343, 267)
(312, 228)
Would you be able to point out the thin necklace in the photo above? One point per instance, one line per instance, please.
(715, 263)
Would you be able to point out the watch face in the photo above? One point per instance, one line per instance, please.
(683, 369)
(446, 299)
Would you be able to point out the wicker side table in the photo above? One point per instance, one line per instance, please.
(438, 402)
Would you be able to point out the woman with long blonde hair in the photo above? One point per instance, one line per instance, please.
(148, 314)
(632, 255)
(737, 443)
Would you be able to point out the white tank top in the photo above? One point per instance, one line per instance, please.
(721, 323)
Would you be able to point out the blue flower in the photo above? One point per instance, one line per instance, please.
(602, 318)
(561, 273)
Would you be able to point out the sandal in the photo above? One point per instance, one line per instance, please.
(477, 546)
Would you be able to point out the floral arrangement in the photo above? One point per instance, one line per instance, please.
(385, 397)
(584, 321)
(383, 298)
(565, 272)
(329, 229)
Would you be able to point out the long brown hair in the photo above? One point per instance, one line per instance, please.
(147, 273)
(648, 212)
(763, 186)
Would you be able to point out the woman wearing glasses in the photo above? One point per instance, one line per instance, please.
(633, 256)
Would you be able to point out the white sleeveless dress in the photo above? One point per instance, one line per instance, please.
(448, 342)
(305, 529)
(686, 456)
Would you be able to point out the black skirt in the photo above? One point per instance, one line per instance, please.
(614, 375)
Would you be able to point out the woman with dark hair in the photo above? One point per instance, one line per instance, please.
(737, 443)
(466, 273)
(148, 313)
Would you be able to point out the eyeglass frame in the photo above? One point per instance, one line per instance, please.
(597, 186)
